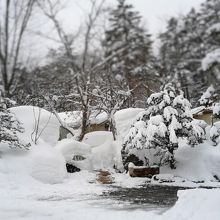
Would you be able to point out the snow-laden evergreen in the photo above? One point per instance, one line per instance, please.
(216, 110)
(191, 44)
(126, 41)
(9, 126)
(214, 132)
(157, 132)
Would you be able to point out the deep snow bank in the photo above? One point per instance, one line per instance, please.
(48, 123)
(196, 204)
(42, 161)
(47, 164)
(98, 150)
(199, 163)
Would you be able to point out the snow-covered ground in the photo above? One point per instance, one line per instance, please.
(76, 197)
(34, 184)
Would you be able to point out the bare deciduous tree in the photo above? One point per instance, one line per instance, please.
(95, 12)
(14, 19)
(111, 97)
(82, 77)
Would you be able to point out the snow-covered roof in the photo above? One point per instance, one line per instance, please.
(98, 118)
(197, 110)
(73, 119)
(201, 110)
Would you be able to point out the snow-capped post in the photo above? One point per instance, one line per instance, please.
(10, 126)
(157, 132)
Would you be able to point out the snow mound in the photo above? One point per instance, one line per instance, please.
(97, 138)
(124, 119)
(200, 163)
(76, 153)
(48, 123)
(195, 204)
(47, 164)
(107, 156)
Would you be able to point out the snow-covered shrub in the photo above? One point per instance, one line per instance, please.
(9, 126)
(216, 110)
(208, 97)
(214, 130)
(158, 130)
(214, 134)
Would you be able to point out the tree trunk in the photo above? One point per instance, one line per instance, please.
(113, 125)
(84, 124)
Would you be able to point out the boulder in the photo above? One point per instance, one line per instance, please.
(148, 172)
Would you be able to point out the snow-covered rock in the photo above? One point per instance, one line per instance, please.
(75, 153)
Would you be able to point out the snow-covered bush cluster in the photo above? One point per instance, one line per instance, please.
(216, 110)
(158, 130)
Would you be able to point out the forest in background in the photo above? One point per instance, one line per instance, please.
(116, 59)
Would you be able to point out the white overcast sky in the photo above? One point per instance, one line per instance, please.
(155, 14)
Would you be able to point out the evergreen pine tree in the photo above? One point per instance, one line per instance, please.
(9, 126)
(210, 11)
(189, 41)
(126, 42)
